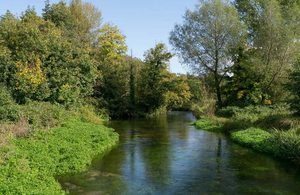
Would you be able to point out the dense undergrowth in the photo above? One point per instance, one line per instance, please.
(29, 164)
(269, 129)
(40, 140)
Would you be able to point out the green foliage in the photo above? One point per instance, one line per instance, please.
(253, 126)
(287, 144)
(208, 125)
(178, 91)
(281, 144)
(273, 27)
(43, 115)
(87, 21)
(243, 88)
(255, 138)
(113, 84)
(265, 117)
(37, 159)
(87, 113)
(60, 14)
(294, 88)
(206, 38)
(152, 90)
(229, 111)
(8, 108)
(253, 114)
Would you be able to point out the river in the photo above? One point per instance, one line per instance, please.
(168, 155)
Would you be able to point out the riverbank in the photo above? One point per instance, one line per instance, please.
(30, 160)
(272, 130)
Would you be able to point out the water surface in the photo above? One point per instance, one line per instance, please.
(169, 156)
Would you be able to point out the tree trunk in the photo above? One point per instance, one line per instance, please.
(218, 90)
(217, 81)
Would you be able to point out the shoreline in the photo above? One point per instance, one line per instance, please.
(34, 162)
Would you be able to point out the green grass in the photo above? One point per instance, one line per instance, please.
(286, 145)
(255, 138)
(281, 144)
(29, 165)
(208, 125)
(254, 127)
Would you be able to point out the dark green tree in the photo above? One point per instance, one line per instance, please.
(294, 87)
(151, 89)
(112, 87)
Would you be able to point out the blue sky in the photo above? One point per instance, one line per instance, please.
(143, 22)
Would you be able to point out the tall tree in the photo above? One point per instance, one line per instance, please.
(87, 19)
(113, 71)
(273, 28)
(294, 88)
(206, 38)
(152, 89)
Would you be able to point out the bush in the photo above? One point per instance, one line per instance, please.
(43, 115)
(287, 144)
(19, 129)
(87, 113)
(266, 117)
(157, 112)
(206, 108)
(229, 111)
(8, 108)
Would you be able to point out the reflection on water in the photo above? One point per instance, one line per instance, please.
(169, 156)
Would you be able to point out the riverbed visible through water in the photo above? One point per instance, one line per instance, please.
(167, 155)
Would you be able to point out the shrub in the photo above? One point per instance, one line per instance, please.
(43, 115)
(266, 117)
(8, 108)
(229, 111)
(19, 129)
(157, 112)
(287, 144)
(87, 114)
(206, 108)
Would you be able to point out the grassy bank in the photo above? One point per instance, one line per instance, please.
(40, 140)
(29, 165)
(273, 130)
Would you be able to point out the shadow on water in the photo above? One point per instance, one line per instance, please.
(169, 156)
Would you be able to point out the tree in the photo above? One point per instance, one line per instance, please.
(41, 64)
(80, 20)
(113, 71)
(294, 88)
(274, 29)
(244, 86)
(87, 20)
(178, 91)
(60, 14)
(206, 38)
(152, 90)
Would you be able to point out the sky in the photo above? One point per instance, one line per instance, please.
(143, 22)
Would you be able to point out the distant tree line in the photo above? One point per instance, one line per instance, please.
(241, 53)
(68, 56)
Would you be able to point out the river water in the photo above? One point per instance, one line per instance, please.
(169, 156)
